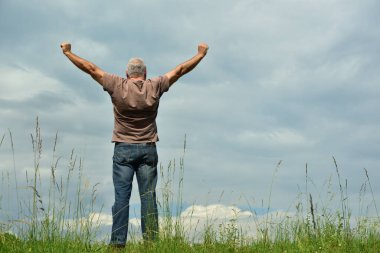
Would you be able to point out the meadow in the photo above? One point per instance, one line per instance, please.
(52, 219)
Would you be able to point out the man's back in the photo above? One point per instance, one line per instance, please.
(135, 107)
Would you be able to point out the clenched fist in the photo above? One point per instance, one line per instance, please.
(66, 47)
(202, 49)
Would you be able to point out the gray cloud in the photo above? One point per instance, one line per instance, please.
(292, 81)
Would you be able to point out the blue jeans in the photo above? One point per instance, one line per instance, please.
(129, 159)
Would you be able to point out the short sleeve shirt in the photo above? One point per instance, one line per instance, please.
(135, 105)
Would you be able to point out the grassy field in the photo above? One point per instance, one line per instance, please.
(51, 221)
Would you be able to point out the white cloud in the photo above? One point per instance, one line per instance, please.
(20, 83)
(217, 211)
(197, 219)
(279, 137)
(105, 219)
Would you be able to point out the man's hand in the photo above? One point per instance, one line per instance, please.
(202, 49)
(66, 47)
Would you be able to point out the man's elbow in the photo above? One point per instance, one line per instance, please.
(180, 71)
(94, 72)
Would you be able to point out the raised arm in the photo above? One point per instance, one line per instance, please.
(188, 65)
(86, 66)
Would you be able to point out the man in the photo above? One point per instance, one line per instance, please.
(135, 103)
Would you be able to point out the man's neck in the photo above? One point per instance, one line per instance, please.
(136, 78)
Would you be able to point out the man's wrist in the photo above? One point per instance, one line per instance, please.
(201, 55)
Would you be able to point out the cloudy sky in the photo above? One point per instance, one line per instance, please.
(288, 80)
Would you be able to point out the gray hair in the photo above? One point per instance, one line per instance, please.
(136, 67)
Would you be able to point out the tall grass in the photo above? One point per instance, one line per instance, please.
(43, 221)
(171, 201)
(52, 219)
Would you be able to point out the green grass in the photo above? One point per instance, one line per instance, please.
(52, 221)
